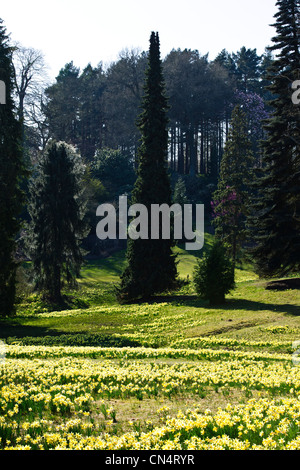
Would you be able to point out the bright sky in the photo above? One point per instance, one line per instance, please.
(91, 31)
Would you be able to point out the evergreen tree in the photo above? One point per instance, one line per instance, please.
(91, 111)
(62, 107)
(180, 194)
(11, 174)
(214, 275)
(151, 265)
(276, 217)
(231, 200)
(57, 209)
(104, 166)
(247, 70)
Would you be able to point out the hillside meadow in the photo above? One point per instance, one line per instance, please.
(173, 373)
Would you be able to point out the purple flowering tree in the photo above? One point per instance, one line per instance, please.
(256, 112)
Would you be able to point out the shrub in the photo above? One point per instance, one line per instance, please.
(214, 275)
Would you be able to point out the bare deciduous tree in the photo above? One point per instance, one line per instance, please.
(31, 79)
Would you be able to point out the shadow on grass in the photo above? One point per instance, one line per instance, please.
(75, 340)
(243, 304)
(13, 332)
(13, 328)
(230, 304)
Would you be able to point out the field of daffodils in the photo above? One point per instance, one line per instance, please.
(210, 394)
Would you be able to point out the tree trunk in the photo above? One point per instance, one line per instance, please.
(56, 288)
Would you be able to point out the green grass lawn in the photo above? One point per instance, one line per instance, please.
(175, 356)
(93, 316)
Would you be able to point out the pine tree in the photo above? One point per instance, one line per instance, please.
(151, 265)
(57, 209)
(11, 174)
(180, 194)
(276, 217)
(214, 275)
(231, 200)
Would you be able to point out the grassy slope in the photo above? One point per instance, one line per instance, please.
(250, 313)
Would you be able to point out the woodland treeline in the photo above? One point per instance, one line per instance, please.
(223, 133)
(97, 108)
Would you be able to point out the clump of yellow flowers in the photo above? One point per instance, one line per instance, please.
(61, 398)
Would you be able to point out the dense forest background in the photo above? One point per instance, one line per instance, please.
(96, 110)
(226, 131)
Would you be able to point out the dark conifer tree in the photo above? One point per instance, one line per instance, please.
(11, 174)
(151, 265)
(231, 200)
(276, 217)
(57, 210)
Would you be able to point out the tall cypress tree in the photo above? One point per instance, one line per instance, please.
(11, 174)
(151, 265)
(57, 227)
(276, 216)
